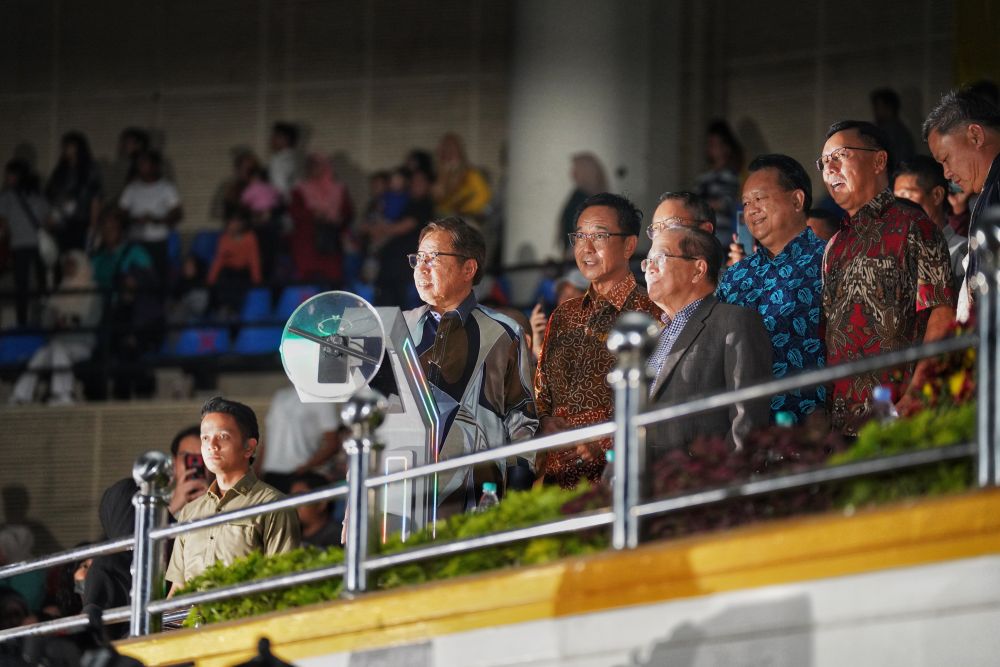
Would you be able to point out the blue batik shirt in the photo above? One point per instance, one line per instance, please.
(787, 292)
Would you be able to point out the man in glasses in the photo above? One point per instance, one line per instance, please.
(571, 388)
(963, 133)
(783, 279)
(476, 360)
(705, 346)
(886, 274)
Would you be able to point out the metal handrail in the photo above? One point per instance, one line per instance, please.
(807, 378)
(80, 553)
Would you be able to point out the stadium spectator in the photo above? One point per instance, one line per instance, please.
(921, 180)
(824, 223)
(460, 188)
(301, 437)
(191, 475)
(74, 193)
(570, 381)
(885, 112)
(284, 168)
(397, 240)
(72, 313)
(589, 179)
(153, 206)
(23, 212)
(263, 202)
(235, 267)
(229, 437)
(720, 185)
(108, 583)
(321, 209)
(910, 301)
(321, 527)
(132, 142)
(245, 164)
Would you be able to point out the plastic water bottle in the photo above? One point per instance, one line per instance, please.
(608, 476)
(883, 408)
(784, 419)
(489, 498)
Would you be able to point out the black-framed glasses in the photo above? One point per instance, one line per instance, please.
(597, 238)
(838, 155)
(659, 259)
(430, 258)
(673, 221)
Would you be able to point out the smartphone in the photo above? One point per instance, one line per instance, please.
(195, 465)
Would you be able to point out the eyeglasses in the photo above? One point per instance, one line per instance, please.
(673, 221)
(660, 259)
(597, 238)
(430, 258)
(838, 155)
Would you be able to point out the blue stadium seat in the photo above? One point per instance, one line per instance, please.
(256, 305)
(18, 348)
(203, 246)
(258, 340)
(291, 298)
(199, 342)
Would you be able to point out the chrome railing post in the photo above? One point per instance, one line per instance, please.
(986, 244)
(363, 412)
(631, 340)
(154, 473)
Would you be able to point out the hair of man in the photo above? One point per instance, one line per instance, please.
(693, 202)
(191, 431)
(791, 174)
(696, 242)
(929, 172)
(961, 107)
(465, 239)
(628, 214)
(244, 415)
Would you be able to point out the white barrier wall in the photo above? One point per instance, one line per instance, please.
(944, 614)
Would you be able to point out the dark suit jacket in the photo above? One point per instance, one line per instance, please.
(722, 347)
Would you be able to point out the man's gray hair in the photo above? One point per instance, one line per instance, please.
(696, 242)
(961, 107)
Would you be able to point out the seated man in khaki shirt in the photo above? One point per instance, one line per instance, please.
(229, 436)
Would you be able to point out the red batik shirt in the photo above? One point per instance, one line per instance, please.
(571, 378)
(883, 273)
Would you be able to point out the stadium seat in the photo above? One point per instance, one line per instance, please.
(199, 342)
(257, 340)
(203, 246)
(18, 348)
(256, 305)
(291, 298)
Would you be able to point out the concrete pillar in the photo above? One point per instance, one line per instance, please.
(580, 81)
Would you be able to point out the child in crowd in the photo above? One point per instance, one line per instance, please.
(236, 266)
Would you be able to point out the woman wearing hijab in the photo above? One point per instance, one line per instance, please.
(460, 188)
(321, 209)
(73, 311)
(589, 179)
(109, 579)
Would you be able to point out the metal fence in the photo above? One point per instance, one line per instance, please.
(631, 341)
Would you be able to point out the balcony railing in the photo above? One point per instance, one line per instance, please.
(631, 341)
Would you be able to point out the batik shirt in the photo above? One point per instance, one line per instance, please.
(786, 290)
(477, 363)
(573, 364)
(883, 273)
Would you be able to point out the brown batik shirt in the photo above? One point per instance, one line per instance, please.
(573, 364)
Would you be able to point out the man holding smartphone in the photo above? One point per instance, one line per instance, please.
(192, 479)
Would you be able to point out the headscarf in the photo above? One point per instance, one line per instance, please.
(588, 173)
(117, 513)
(324, 195)
(67, 300)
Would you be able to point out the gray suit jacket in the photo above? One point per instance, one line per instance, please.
(722, 347)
